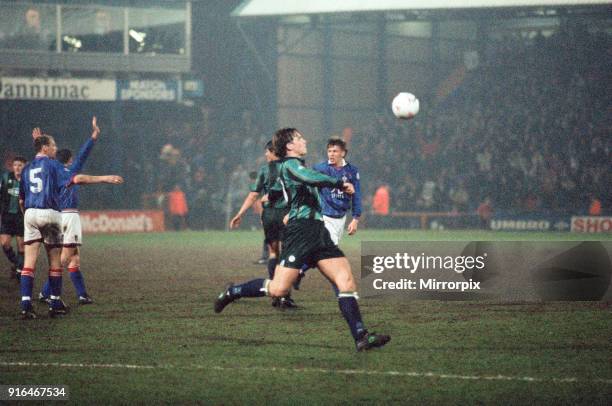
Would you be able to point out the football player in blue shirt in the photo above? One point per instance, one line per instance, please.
(71, 221)
(335, 203)
(39, 193)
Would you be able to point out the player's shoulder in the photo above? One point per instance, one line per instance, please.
(10, 176)
(264, 168)
(292, 162)
(321, 166)
(26, 166)
(41, 160)
(277, 163)
(353, 169)
(56, 168)
(57, 165)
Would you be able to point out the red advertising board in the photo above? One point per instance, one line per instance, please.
(122, 221)
(592, 224)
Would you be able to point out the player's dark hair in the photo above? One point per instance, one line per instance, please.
(280, 140)
(19, 158)
(269, 146)
(63, 156)
(42, 141)
(337, 142)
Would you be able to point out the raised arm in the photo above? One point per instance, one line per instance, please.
(81, 157)
(299, 172)
(82, 179)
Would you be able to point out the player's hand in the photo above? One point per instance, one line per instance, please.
(235, 222)
(115, 179)
(348, 188)
(36, 133)
(264, 198)
(95, 129)
(286, 219)
(352, 227)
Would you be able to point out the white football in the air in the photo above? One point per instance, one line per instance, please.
(405, 105)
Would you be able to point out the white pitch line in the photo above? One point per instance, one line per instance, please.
(65, 365)
(313, 370)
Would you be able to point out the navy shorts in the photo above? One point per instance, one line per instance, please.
(12, 224)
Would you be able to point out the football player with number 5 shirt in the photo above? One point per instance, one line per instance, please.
(39, 193)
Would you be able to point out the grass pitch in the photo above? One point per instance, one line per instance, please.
(152, 336)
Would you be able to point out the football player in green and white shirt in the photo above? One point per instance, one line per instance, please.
(307, 241)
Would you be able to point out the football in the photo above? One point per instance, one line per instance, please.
(405, 105)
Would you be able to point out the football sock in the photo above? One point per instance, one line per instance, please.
(26, 286)
(20, 256)
(265, 250)
(55, 282)
(46, 289)
(10, 254)
(302, 272)
(253, 288)
(77, 280)
(271, 266)
(350, 310)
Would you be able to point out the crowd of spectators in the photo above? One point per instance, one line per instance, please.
(212, 169)
(532, 133)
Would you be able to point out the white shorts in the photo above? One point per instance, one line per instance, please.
(42, 225)
(335, 227)
(71, 228)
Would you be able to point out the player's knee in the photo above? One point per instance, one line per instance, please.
(345, 282)
(64, 260)
(347, 287)
(275, 290)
